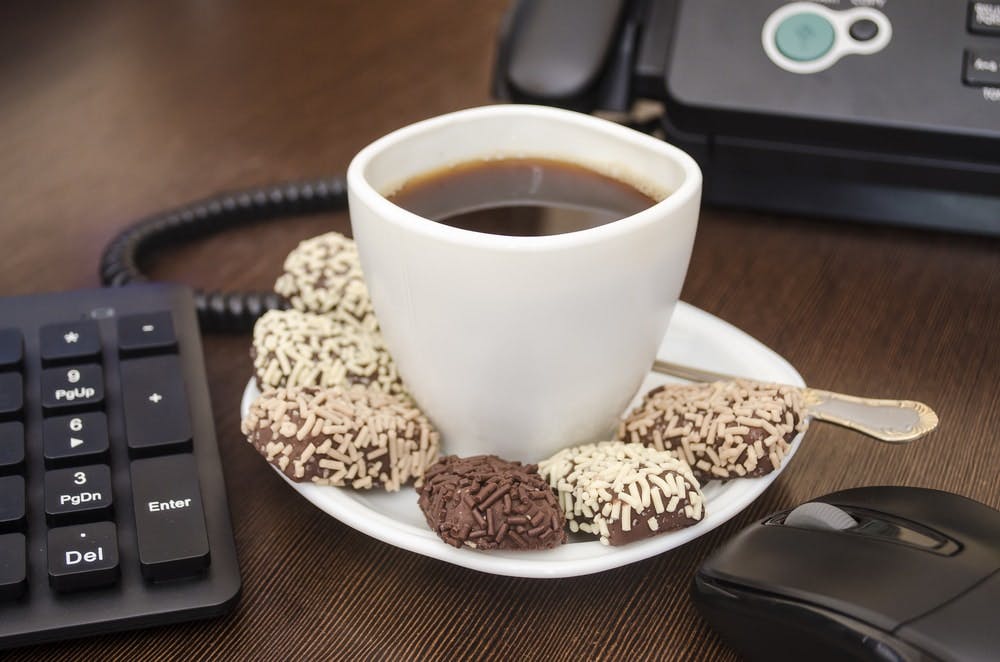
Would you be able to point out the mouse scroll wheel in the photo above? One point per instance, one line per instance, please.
(818, 515)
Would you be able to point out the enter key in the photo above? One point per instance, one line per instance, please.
(169, 517)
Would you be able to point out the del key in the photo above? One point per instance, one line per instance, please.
(169, 517)
(157, 418)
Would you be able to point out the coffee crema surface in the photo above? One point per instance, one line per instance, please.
(520, 197)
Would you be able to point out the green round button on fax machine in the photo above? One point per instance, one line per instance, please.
(804, 36)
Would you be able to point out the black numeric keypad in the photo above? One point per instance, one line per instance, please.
(112, 503)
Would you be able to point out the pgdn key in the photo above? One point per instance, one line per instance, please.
(80, 494)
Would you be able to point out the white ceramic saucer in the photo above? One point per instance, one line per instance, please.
(694, 338)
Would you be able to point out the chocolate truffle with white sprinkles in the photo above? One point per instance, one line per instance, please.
(292, 348)
(623, 492)
(725, 429)
(323, 275)
(484, 502)
(357, 437)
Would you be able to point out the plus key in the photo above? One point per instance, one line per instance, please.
(157, 419)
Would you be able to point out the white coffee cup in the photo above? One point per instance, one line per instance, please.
(512, 345)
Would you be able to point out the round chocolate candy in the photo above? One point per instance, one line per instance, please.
(484, 502)
(323, 275)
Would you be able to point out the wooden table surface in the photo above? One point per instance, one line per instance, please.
(112, 111)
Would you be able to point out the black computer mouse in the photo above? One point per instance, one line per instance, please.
(874, 573)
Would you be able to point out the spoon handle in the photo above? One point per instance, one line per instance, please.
(892, 421)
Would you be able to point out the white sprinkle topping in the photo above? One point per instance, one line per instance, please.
(323, 275)
(719, 426)
(605, 485)
(292, 348)
(352, 456)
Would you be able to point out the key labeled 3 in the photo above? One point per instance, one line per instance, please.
(80, 494)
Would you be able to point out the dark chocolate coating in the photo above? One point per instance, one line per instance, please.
(640, 529)
(489, 503)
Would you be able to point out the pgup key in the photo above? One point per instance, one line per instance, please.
(72, 387)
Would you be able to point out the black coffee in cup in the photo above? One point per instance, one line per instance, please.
(520, 196)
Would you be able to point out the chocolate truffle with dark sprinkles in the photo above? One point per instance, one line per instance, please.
(484, 502)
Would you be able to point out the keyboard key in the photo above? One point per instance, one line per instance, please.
(13, 566)
(169, 517)
(984, 17)
(82, 557)
(147, 333)
(70, 341)
(78, 439)
(11, 394)
(11, 348)
(72, 387)
(80, 494)
(157, 418)
(11, 503)
(982, 67)
(11, 447)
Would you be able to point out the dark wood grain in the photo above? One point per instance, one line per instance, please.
(111, 111)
